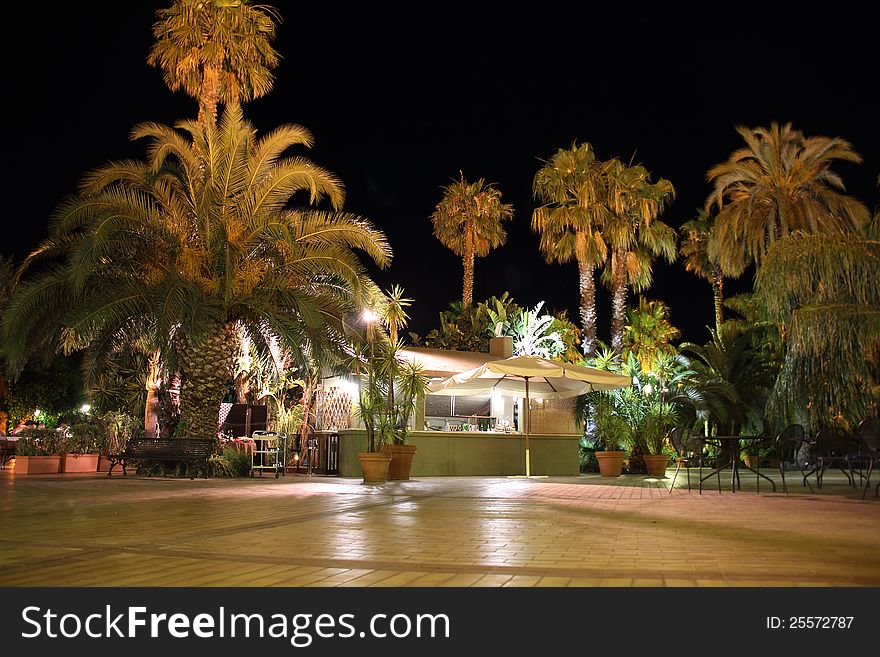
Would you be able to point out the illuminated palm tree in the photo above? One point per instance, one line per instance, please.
(779, 183)
(467, 221)
(196, 249)
(634, 235)
(217, 51)
(822, 289)
(571, 190)
(694, 249)
(393, 312)
(649, 333)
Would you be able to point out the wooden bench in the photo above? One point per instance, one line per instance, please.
(186, 450)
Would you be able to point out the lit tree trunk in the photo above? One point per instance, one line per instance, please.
(467, 295)
(169, 406)
(210, 96)
(618, 299)
(718, 293)
(206, 367)
(153, 382)
(588, 305)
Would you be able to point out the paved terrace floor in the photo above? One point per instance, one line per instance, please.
(302, 531)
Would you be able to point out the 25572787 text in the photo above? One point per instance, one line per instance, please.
(809, 622)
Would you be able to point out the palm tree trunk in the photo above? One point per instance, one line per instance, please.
(151, 411)
(210, 95)
(588, 305)
(467, 295)
(206, 367)
(618, 299)
(718, 293)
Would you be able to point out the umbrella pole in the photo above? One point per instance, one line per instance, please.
(528, 427)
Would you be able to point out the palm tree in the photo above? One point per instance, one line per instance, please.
(649, 333)
(736, 376)
(780, 182)
(217, 51)
(198, 243)
(822, 290)
(467, 221)
(6, 281)
(634, 235)
(393, 312)
(694, 249)
(569, 221)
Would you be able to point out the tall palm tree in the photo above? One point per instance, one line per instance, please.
(694, 249)
(467, 221)
(217, 51)
(570, 188)
(199, 242)
(634, 235)
(6, 281)
(780, 182)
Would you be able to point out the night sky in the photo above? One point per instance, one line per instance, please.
(401, 100)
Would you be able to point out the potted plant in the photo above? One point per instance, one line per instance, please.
(658, 415)
(83, 444)
(39, 451)
(410, 383)
(388, 391)
(612, 431)
(750, 453)
(372, 406)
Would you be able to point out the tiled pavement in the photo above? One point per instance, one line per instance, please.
(301, 531)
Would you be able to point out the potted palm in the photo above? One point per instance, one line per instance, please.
(389, 389)
(39, 451)
(612, 431)
(410, 384)
(371, 408)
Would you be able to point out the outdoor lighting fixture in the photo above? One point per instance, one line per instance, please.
(369, 316)
(36, 413)
(85, 408)
(349, 387)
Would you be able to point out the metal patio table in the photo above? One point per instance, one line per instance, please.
(732, 444)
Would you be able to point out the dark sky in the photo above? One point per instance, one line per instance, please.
(401, 100)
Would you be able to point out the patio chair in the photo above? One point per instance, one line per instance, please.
(832, 448)
(869, 435)
(793, 447)
(688, 450)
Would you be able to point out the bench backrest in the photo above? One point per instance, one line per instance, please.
(170, 448)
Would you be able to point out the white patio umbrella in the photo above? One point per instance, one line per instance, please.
(521, 376)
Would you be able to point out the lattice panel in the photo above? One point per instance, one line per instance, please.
(224, 411)
(554, 416)
(333, 409)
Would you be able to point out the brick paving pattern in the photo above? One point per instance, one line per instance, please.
(301, 531)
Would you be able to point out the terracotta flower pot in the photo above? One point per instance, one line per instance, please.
(401, 461)
(610, 463)
(750, 461)
(374, 465)
(656, 464)
(80, 463)
(37, 464)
